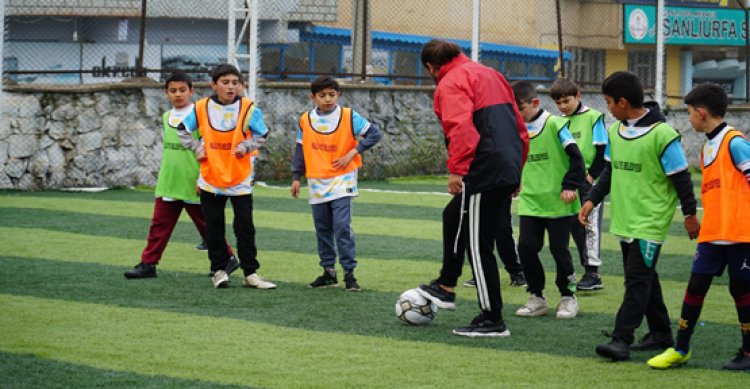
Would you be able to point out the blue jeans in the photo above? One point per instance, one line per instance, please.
(334, 218)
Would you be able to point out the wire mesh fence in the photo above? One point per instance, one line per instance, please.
(102, 130)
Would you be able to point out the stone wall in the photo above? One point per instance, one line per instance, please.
(297, 10)
(109, 135)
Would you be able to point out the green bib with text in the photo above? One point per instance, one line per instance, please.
(541, 179)
(643, 199)
(178, 174)
(582, 129)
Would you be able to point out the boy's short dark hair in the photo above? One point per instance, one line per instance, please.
(179, 77)
(524, 92)
(709, 96)
(223, 70)
(563, 87)
(624, 85)
(438, 52)
(323, 82)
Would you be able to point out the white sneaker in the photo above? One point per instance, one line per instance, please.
(535, 306)
(256, 281)
(568, 307)
(220, 279)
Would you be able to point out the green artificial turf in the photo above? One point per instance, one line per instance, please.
(70, 319)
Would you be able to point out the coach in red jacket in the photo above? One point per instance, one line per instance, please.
(487, 146)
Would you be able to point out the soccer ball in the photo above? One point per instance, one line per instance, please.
(412, 308)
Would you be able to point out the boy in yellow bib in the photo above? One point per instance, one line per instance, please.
(328, 153)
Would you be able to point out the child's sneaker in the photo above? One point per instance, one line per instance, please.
(327, 280)
(351, 282)
(142, 270)
(256, 281)
(232, 265)
(220, 279)
(441, 297)
(669, 358)
(472, 283)
(517, 279)
(740, 362)
(201, 246)
(568, 307)
(590, 281)
(481, 326)
(535, 306)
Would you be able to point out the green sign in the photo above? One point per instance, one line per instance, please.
(685, 26)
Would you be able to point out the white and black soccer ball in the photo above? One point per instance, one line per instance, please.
(412, 308)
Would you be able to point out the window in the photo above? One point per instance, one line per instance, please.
(587, 66)
(406, 63)
(490, 62)
(514, 69)
(540, 70)
(643, 64)
(297, 58)
(270, 59)
(326, 58)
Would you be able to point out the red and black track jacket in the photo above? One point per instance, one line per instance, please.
(485, 134)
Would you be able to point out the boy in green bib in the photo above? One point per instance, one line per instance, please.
(176, 185)
(645, 175)
(548, 201)
(587, 128)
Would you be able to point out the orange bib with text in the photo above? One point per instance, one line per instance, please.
(725, 194)
(321, 149)
(222, 169)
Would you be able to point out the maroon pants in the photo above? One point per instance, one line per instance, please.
(166, 215)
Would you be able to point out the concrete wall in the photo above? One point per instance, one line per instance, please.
(110, 134)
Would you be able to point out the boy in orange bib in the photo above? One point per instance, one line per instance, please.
(231, 129)
(724, 238)
(328, 153)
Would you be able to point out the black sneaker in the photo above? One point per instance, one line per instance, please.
(232, 265)
(327, 280)
(740, 362)
(590, 281)
(142, 270)
(201, 246)
(441, 297)
(517, 279)
(351, 282)
(472, 283)
(481, 326)
(615, 350)
(654, 341)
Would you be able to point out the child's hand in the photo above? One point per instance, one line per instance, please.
(295, 188)
(240, 150)
(200, 154)
(517, 191)
(568, 196)
(583, 214)
(343, 162)
(693, 226)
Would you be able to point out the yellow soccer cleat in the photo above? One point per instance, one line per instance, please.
(669, 358)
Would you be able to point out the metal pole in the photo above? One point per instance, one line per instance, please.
(659, 87)
(364, 39)
(2, 44)
(561, 53)
(141, 42)
(747, 51)
(252, 71)
(475, 30)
